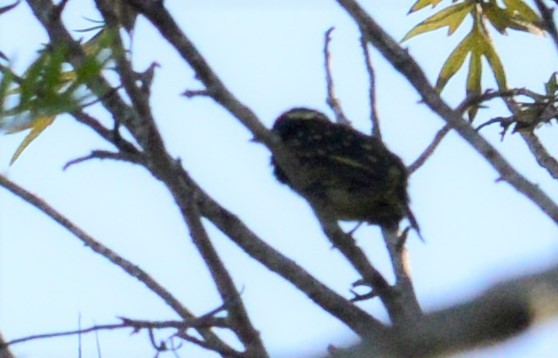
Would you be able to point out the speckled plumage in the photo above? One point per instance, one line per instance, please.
(351, 175)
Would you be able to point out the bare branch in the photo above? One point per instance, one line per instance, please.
(103, 327)
(103, 154)
(4, 350)
(540, 153)
(503, 311)
(473, 99)
(397, 250)
(331, 99)
(405, 64)
(423, 157)
(7, 8)
(155, 12)
(548, 21)
(376, 130)
(143, 128)
(400, 312)
(196, 93)
(110, 255)
(355, 318)
(127, 323)
(111, 135)
(504, 122)
(240, 321)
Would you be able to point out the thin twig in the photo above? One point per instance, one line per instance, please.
(403, 283)
(543, 157)
(98, 344)
(110, 135)
(331, 99)
(79, 337)
(163, 21)
(195, 93)
(99, 248)
(398, 310)
(126, 323)
(474, 99)
(103, 154)
(103, 327)
(504, 122)
(547, 15)
(429, 150)
(240, 322)
(9, 7)
(376, 130)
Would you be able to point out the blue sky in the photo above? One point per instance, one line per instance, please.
(477, 231)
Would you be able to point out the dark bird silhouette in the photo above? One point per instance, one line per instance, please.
(350, 175)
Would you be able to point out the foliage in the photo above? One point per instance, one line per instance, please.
(514, 14)
(48, 88)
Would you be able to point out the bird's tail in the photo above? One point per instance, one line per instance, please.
(414, 223)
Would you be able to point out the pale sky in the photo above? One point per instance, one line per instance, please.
(477, 231)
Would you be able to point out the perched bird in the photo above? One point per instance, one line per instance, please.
(350, 175)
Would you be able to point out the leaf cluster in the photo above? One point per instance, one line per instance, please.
(48, 88)
(477, 44)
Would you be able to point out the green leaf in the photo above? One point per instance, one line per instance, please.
(45, 90)
(474, 81)
(495, 64)
(523, 18)
(498, 17)
(422, 4)
(451, 17)
(5, 84)
(520, 9)
(455, 60)
(39, 125)
(102, 40)
(551, 86)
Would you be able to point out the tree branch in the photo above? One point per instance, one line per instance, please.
(403, 287)
(110, 255)
(155, 12)
(540, 153)
(503, 311)
(548, 21)
(331, 100)
(400, 311)
(355, 318)
(241, 323)
(126, 323)
(4, 350)
(428, 151)
(104, 154)
(376, 130)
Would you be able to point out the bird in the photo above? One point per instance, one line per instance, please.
(348, 174)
